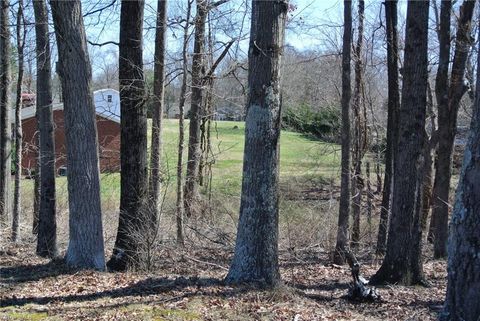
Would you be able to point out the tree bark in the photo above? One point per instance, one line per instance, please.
(196, 111)
(447, 126)
(133, 147)
(392, 125)
(463, 289)
(441, 81)
(5, 124)
(403, 260)
(21, 33)
(256, 249)
(45, 176)
(180, 210)
(344, 210)
(85, 248)
(359, 130)
(159, 93)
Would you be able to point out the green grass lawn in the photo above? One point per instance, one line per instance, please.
(301, 159)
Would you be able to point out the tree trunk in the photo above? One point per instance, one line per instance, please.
(133, 149)
(402, 262)
(196, 111)
(256, 249)
(463, 289)
(159, 93)
(5, 124)
(447, 127)
(392, 125)
(344, 211)
(359, 130)
(85, 248)
(21, 33)
(47, 226)
(180, 210)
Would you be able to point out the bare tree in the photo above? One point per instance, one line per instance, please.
(463, 289)
(344, 211)
(21, 35)
(5, 124)
(403, 260)
(85, 247)
(391, 17)
(360, 129)
(256, 249)
(180, 209)
(47, 226)
(133, 147)
(159, 94)
(447, 126)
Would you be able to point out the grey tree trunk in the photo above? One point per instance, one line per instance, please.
(159, 93)
(441, 81)
(21, 33)
(180, 209)
(45, 174)
(392, 126)
(360, 130)
(133, 147)
(463, 289)
(196, 111)
(403, 260)
(5, 124)
(256, 249)
(85, 247)
(447, 126)
(342, 245)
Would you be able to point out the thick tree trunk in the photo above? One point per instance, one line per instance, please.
(256, 249)
(5, 124)
(359, 130)
(196, 111)
(463, 290)
(403, 260)
(392, 125)
(45, 176)
(159, 93)
(344, 210)
(85, 248)
(133, 147)
(447, 126)
(18, 123)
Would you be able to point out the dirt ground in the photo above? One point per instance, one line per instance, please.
(187, 285)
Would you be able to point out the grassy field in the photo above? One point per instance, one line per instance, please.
(307, 167)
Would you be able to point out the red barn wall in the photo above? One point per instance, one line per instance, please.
(108, 141)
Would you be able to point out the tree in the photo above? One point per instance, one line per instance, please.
(47, 226)
(5, 124)
(21, 35)
(196, 109)
(133, 137)
(447, 126)
(159, 93)
(403, 261)
(256, 249)
(344, 211)
(360, 129)
(85, 247)
(463, 289)
(180, 209)
(393, 106)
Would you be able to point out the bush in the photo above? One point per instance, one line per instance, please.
(324, 123)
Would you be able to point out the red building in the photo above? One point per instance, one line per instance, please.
(107, 106)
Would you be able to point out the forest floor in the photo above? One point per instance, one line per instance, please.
(187, 285)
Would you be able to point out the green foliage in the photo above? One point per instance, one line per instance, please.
(324, 123)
